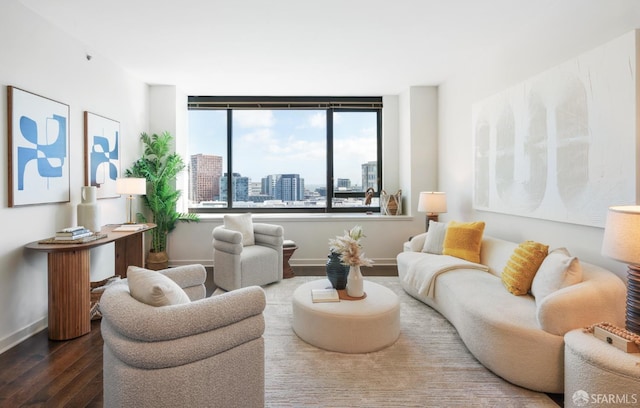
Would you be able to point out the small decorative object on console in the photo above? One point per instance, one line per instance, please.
(130, 227)
(88, 210)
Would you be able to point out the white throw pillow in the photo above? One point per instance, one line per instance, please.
(243, 224)
(154, 288)
(558, 270)
(434, 242)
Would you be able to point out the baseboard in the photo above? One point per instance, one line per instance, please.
(375, 270)
(309, 262)
(22, 334)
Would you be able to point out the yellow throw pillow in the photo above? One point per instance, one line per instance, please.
(521, 268)
(463, 240)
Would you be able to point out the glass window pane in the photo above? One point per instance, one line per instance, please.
(279, 158)
(207, 157)
(355, 157)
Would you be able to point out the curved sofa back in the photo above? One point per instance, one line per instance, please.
(495, 253)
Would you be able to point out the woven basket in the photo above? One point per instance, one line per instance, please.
(391, 204)
(96, 289)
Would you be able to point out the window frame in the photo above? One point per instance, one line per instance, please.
(329, 104)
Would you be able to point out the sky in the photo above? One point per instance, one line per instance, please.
(287, 141)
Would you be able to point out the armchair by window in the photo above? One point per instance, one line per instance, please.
(207, 352)
(238, 265)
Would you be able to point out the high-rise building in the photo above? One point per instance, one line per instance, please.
(370, 175)
(344, 184)
(285, 187)
(255, 188)
(205, 172)
(240, 186)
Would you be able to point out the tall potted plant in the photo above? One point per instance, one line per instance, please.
(160, 166)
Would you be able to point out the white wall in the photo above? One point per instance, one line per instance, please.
(418, 140)
(41, 59)
(481, 79)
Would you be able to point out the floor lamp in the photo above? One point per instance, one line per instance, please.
(622, 243)
(131, 186)
(433, 203)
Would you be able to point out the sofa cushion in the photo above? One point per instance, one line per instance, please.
(558, 270)
(153, 288)
(463, 240)
(434, 242)
(243, 224)
(522, 266)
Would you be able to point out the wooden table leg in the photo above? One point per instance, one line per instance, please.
(69, 295)
(129, 251)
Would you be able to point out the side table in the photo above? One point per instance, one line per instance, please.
(598, 374)
(288, 248)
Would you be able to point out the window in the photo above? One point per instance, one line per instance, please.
(284, 154)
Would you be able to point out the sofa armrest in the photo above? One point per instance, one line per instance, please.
(186, 275)
(268, 234)
(142, 322)
(227, 240)
(159, 337)
(598, 298)
(417, 242)
(191, 278)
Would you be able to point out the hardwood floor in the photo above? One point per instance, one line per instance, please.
(44, 373)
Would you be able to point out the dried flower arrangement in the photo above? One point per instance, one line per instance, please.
(349, 247)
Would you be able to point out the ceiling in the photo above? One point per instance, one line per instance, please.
(328, 47)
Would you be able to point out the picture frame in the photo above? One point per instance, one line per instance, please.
(102, 154)
(38, 149)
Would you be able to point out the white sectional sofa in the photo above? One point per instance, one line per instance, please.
(519, 338)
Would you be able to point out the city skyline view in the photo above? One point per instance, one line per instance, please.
(286, 142)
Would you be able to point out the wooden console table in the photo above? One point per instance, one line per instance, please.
(69, 277)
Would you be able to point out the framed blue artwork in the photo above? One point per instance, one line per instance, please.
(102, 153)
(38, 149)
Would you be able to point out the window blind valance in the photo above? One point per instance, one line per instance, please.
(282, 102)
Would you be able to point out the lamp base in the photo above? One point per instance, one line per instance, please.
(632, 321)
(430, 217)
(130, 210)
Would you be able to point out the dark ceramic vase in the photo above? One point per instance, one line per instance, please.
(336, 271)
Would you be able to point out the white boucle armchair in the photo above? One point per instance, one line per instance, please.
(209, 352)
(237, 266)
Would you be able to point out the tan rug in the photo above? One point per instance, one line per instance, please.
(428, 366)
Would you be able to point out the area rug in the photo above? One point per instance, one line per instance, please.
(428, 366)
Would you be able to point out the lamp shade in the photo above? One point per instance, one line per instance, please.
(432, 202)
(622, 234)
(131, 186)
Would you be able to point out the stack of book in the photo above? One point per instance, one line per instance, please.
(73, 233)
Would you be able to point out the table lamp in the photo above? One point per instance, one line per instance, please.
(433, 203)
(622, 243)
(131, 186)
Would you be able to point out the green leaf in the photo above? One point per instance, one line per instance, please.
(160, 166)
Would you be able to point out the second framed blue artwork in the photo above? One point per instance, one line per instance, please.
(102, 153)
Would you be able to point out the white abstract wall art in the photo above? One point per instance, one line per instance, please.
(562, 145)
(38, 149)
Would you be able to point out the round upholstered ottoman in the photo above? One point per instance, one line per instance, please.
(348, 326)
(597, 373)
